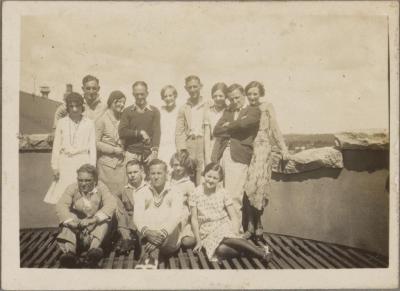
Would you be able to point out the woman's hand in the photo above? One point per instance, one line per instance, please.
(197, 248)
(56, 174)
(118, 151)
(285, 156)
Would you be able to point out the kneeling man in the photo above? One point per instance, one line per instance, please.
(158, 210)
(84, 210)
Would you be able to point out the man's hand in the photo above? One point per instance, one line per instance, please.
(226, 124)
(87, 222)
(145, 136)
(72, 224)
(118, 151)
(285, 156)
(155, 237)
(197, 248)
(56, 174)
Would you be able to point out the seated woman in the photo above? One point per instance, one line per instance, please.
(214, 221)
(84, 210)
(257, 187)
(74, 145)
(183, 168)
(111, 162)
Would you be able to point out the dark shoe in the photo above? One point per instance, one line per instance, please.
(93, 257)
(68, 260)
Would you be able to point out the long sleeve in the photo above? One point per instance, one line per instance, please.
(156, 128)
(102, 146)
(180, 130)
(55, 154)
(276, 133)
(61, 112)
(63, 206)
(252, 118)
(139, 214)
(109, 204)
(124, 129)
(92, 144)
(219, 130)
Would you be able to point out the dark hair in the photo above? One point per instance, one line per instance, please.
(191, 78)
(134, 162)
(141, 83)
(185, 161)
(74, 97)
(158, 162)
(220, 86)
(115, 95)
(165, 88)
(89, 78)
(256, 84)
(234, 87)
(90, 169)
(214, 167)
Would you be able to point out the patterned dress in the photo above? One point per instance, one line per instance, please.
(258, 181)
(214, 221)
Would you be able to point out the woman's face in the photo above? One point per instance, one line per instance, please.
(118, 105)
(211, 179)
(219, 98)
(177, 170)
(75, 109)
(253, 95)
(169, 97)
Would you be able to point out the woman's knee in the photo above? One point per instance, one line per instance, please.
(223, 251)
(188, 242)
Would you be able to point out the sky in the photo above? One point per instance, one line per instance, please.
(322, 73)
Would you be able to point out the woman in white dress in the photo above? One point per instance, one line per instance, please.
(74, 145)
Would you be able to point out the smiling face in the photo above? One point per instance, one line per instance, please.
(140, 93)
(253, 96)
(169, 97)
(135, 175)
(118, 105)
(86, 182)
(211, 179)
(178, 171)
(219, 98)
(237, 98)
(91, 91)
(158, 176)
(193, 87)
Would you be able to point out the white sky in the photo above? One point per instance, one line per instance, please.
(322, 73)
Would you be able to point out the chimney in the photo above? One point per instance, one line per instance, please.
(45, 90)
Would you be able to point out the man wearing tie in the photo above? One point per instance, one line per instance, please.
(235, 133)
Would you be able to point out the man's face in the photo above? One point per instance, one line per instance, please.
(140, 93)
(85, 182)
(193, 87)
(135, 175)
(237, 98)
(91, 91)
(158, 175)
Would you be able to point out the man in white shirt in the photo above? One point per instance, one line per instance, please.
(157, 214)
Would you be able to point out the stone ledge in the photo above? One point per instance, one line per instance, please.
(366, 140)
(308, 160)
(33, 142)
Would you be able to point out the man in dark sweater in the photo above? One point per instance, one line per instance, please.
(139, 127)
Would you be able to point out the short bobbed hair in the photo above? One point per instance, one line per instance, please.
(115, 95)
(256, 84)
(220, 86)
(74, 97)
(234, 87)
(214, 167)
(165, 88)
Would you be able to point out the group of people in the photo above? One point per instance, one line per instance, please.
(193, 177)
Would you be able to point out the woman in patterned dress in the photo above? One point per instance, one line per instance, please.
(258, 182)
(214, 220)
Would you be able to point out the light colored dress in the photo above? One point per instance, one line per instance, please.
(111, 167)
(186, 188)
(214, 221)
(167, 140)
(268, 140)
(74, 145)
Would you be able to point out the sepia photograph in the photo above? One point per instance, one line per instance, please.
(252, 143)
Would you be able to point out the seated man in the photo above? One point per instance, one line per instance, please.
(125, 205)
(157, 215)
(84, 210)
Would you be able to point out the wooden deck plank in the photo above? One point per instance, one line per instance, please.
(32, 239)
(237, 264)
(110, 260)
(24, 237)
(42, 249)
(120, 262)
(333, 255)
(203, 260)
(286, 264)
(192, 259)
(299, 261)
(161, 266)
(309, 260)
(323, 254)
(247, 263)
(33, 247)
(359, 262)
(363, 258)
(130, 260)
(182, 260)
(47, 253)
(172, 264)
(275, 263)
(380, 262)
(53, 258)
(257, 263)
(313, 254)
(226, 264)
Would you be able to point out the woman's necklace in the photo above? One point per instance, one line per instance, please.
(73, 130)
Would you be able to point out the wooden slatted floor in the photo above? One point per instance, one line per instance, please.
(38, 249)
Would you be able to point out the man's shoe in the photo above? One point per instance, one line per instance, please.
(93, 257)
(68, 260)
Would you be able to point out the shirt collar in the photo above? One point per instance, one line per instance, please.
(167, 188)
(129, 186)
(94, 103)
(180, 181)
(199, 104)
(94, 191)
(148, 107)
